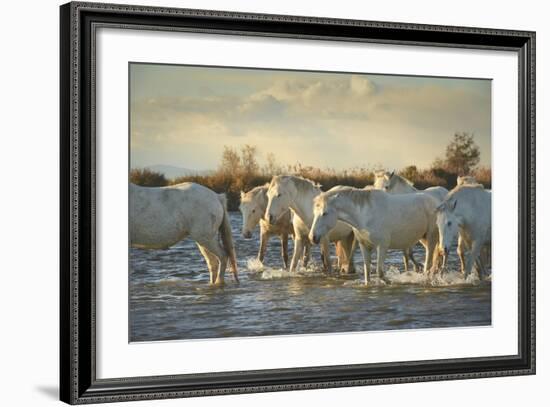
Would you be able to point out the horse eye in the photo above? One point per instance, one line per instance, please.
(253, 210)
(449, 223)
(324, 213)
(278, 196)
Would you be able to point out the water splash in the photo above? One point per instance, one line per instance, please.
(395, 277)
(373, 282)
(443, 279)
(253, 264)
(410, 277)
(273, 274)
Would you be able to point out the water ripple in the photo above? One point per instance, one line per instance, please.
(170, 297)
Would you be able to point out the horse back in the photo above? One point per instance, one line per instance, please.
(175, 211)
(409, 206)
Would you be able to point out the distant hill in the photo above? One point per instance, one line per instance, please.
(171, 171)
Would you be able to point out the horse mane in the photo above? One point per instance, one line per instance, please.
(260, 189)
(357, 195)
(465, 187)
(393, 177)
(460, 188)
(402, 179)
(302, 184)
(466, 178)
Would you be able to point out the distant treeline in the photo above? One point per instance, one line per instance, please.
(239, 170)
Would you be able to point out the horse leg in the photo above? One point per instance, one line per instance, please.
(211, 262)
(381, 254)
(366, 253)
(433, 256)
(416, 265)
(351, 267)
(298, 251)
(441, 265)
(307, 253)
(425, 243)
(438, 262)
(472, 257)
(460, 251)
(429, 262)
(409, 256)
(347, 247)
(480, 266)
(325, 252)
(484, 259)
(406, 255)
(284, 249)
(264, 238)
(339, 254)
(214, 247)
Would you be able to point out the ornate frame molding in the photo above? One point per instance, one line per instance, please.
(78, 380)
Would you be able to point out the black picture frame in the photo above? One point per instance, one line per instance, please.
(78, 382)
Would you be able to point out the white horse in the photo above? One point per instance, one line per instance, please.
(396, 184)
(379, 220)
(407, 253)
(253, 206)
(297, 194)
(161, 217)
(485, 257)
(466, 212)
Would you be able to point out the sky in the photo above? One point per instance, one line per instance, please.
(184, 115)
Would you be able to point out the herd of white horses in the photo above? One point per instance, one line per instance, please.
(389, 215)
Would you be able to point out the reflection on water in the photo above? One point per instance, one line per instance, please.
(170, 297)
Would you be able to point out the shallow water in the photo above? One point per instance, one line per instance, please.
(170, 297)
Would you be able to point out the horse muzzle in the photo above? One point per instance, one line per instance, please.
(314, 238)
(247, 234)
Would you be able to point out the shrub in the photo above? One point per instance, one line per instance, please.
(239, 171)
(147, 178)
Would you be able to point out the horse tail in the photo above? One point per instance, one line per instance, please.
(227, 237)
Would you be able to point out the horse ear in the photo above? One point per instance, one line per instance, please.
(453, 205)
(393, 172)
(242, 194)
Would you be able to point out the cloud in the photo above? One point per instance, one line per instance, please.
(341, 96)
(261, 107)
(324, 120)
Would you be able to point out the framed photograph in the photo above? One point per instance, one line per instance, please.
(254, 203)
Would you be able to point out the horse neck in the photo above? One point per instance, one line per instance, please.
(347, 211)
(301, 204)
(464, 211)
(401, 186)
(262, 199)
